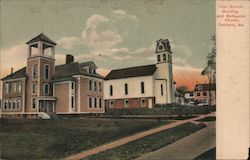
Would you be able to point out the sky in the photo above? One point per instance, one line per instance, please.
(113, 33)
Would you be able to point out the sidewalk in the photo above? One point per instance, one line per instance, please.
(131, 138)
(186, 148)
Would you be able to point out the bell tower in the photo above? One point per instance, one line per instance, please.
(164, 74)
(40, 69)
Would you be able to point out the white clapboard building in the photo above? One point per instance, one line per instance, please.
(142, 86)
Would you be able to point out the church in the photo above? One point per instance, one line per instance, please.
(142, 86)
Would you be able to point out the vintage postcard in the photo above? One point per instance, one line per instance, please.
(124, 80)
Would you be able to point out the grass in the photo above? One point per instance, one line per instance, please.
(209, 155)
(172, 109)
(53, 139)
(150, 143)
(207, 119)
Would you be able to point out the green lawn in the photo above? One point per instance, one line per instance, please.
(150, 143)
(171, 109)
(50, 139)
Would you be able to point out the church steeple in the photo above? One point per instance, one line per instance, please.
(163, 51)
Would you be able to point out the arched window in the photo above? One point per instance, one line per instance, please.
(158, 58)
(126, 88)
(46, 71)
(111, 90)
(142, 87)
(164, 57)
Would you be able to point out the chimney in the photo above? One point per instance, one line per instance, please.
(69, 58)
(11, 72)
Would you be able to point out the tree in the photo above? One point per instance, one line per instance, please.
(182, 89)
(210, 69)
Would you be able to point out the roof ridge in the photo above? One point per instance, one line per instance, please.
(132, 67)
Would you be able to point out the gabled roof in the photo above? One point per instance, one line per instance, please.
(132, 72)
(41, 37)
(76, 68)
(88, 63)
(204, 87)
(21, 73)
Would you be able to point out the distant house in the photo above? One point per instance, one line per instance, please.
(189, 96)
(41, 88)
(179, 98)
(142, 86)
(204, 94)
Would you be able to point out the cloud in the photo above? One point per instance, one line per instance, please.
(68, 42)
(13, 57)
(121, 14)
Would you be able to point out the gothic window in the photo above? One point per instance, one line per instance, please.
(142, 87)
(100, 102)
(164, 57)
(100, 86)
(72, 102)
(95, 102)
(34, 88)
(162, 89)
(158, 58)
(126, 88)
(95, 86)
(111, 90)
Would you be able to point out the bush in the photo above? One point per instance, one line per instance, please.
(169, 109)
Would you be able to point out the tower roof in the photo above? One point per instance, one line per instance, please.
(41, 37)
(165, 45)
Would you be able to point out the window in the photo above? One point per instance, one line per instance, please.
(143, 102)
(199, 87)
(95, 86)
(46, 88)
(95, 103)
(5, 104)
(18, 87)
(46, 71)
(142, 87)
(164, 57)
(18, 103)
(191, 94)
(204, 93)
(111, 90)
(100, 86)
(9, 104)
(6, 88)
(13, 104)
(33, 102)
(126, 103)
(111, 104)
(100, 102)
(198, 94)
(126, 88)
(90, 102)
(14, 86)
(158, 58)
(34, 87)
(94, 71)
(90, 85)
(72, 102)
(162, 89)
(72, 85)
(34, 71)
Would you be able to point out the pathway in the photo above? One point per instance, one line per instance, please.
(186, 148)
(131, 138)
